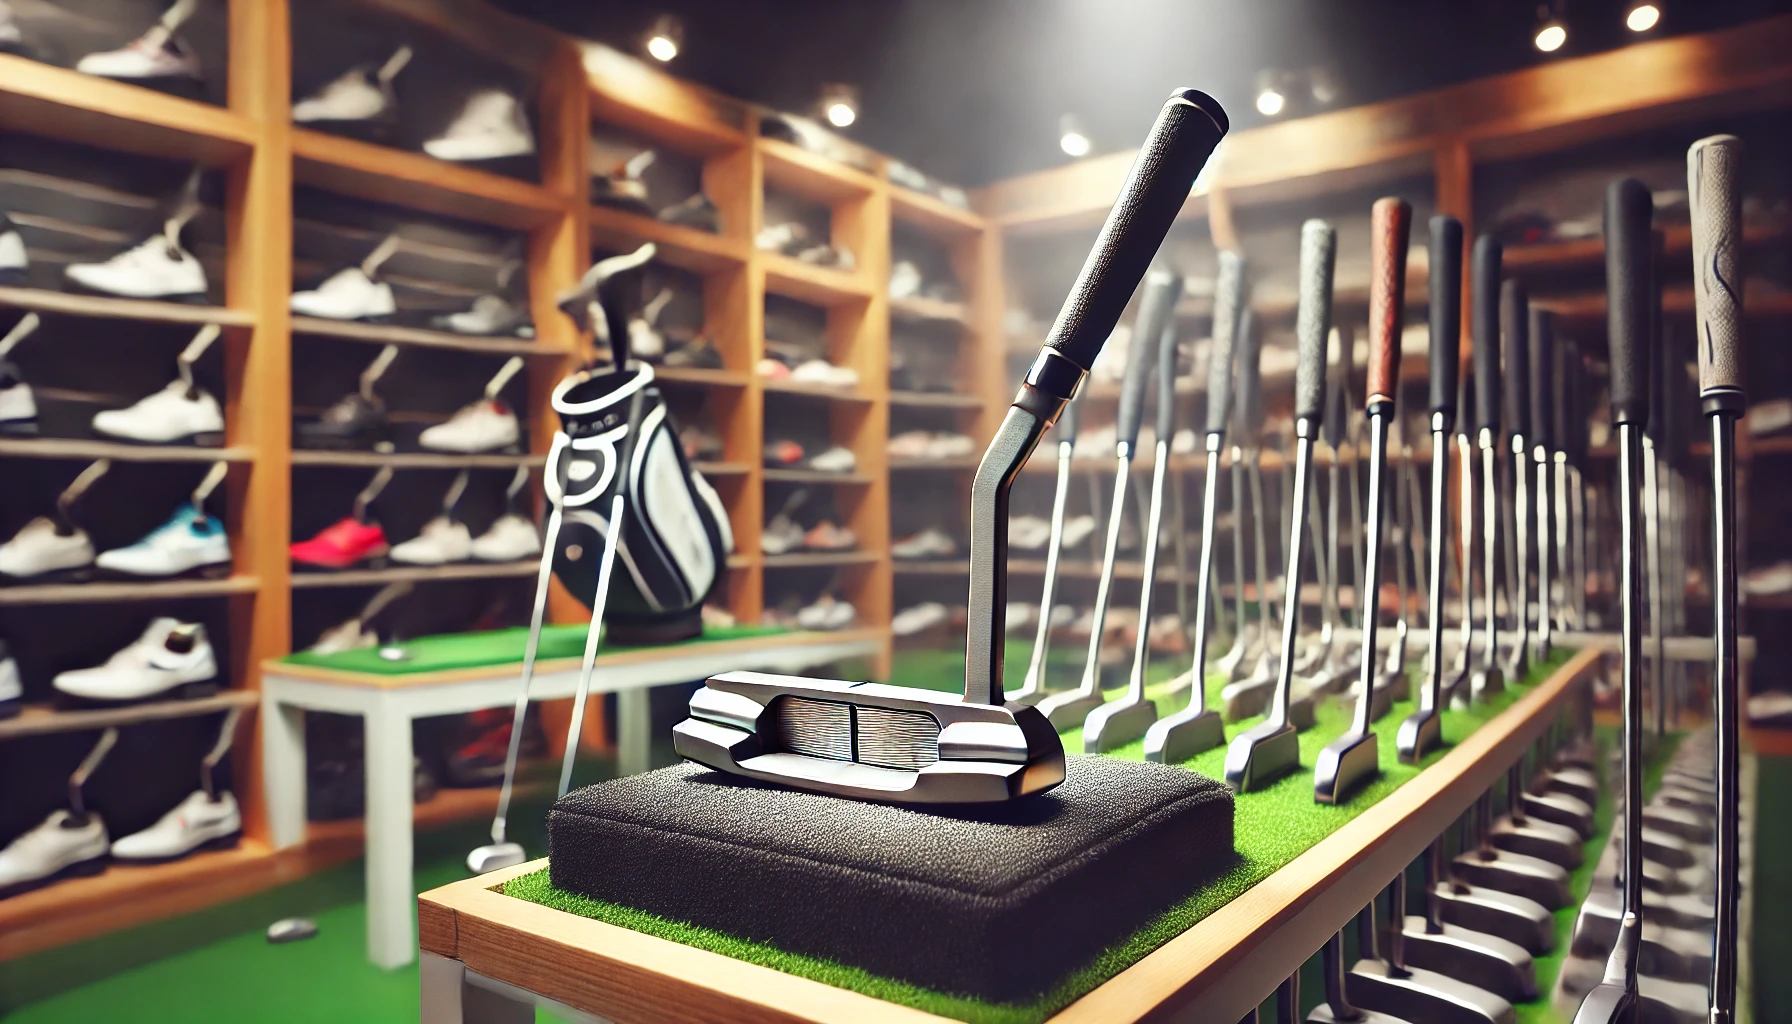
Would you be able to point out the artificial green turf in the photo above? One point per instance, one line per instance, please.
(491, 647)
(1272, 827)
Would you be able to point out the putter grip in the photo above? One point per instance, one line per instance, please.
(1188, 128)
(1313, 318)
(1390, 227)
(1166, 370)
(1250, 379)
(1543, 378)
(1486, 272)
(1446, 312)
(1713, 176)
(1154, 312)
(1515, 317)
(1628, 210)
(1575, 388)
(1228, 300)
(1560, 428)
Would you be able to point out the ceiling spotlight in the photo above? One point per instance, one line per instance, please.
(1550, 36)
(1642, 18)
(1322, 85)
(665, 38)
(1071, 137)
(1272, 93)
(840, 104)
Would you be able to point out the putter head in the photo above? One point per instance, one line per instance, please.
(1419, 734)
(1323, 1014)
(495, 857)
(1069, 708)
(1261, 756)
(1416, 994)
(1484, 682)
(1345, 765)
(868, 741)
(1518, 920)
(1484, 961)
(1544, 840)
(1181, 736)
(1534, 879)
(1117, 723)
(1610, 1002)
(1561, 809)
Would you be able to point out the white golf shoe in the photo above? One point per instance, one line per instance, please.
(348, 294)
(917, 618)
(189, 543)
(169, 655)
(153, 269)
(443, 540)
(510, 538)
(18, 405)
(491, 126)
(154, 54)
(40, 551)
(14, 261)
(483, 426)
(64, 846)
(198, 821)
(12, 689)
(351, 96)
(489, 315)
(177, 414)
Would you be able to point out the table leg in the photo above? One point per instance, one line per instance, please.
(634, 731)
(391, 891)
(441, 983)
(283, 770)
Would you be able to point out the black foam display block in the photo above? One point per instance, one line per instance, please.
(997, 902)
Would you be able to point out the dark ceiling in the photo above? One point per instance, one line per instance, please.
(973, 90)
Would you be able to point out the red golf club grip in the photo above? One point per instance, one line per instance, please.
(1390, 228)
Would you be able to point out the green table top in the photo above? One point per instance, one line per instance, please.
(492, 647)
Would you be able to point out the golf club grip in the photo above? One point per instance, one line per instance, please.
(1147, 331)
(1574, 388)
(1390, 232)
(1313, 317)
(1250, 379)
(1166, 373)
(1561, 428)
(1543, 378)
(1714, 192)
(1486, 270)
(1228, 300)
(1515, 352)
(1188, 128)
(1628, 211)
(1445, 274)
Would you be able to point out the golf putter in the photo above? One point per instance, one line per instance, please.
(1319, 647)
(1340, 667)
(1516, 348)
(1196, 728)
(1517, 832)
(1517, 919)
(1383, 980)
(1489, 866)
(1351, 760)
(1574, 387)
(1486, 679)
(1229, 308)
(900, 744)
(1713, 175)
(1032, 688)
(1543, 371)
(1119, 722)
(1392, 683)
(1337, 1007)
(1628, 212)
(1653, 448)
(1484, 960)
(1271, 749)
(1422, 731)
(1068, 709)
(1456, 688)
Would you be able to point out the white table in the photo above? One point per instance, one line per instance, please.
(388, 704)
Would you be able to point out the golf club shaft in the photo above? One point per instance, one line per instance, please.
(1303, 457)
(599, 600)
(1652, 544)
(1432, 699)
(1091, 681)
(1543, 546)
(1035, 679)
(1490, 511)
(1210, 498)
(550, 538)
(1378, 437)
(1135, 689)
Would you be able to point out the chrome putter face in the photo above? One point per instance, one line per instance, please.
(889, 744)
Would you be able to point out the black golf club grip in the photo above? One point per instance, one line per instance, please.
(1313, 317)
(1166, 372)
(1188, 128)
(1628, 212)
(1155, 309)
(1575, 388)
(1560, 426)
(1543, 379)
(1250, 379)
(1228, 303)
(1445, 275)
(1713, 187)
(1515, 353)
(1390, 233)
(1486, 271)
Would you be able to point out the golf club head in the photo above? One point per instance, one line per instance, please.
(1345, 765)
(1419, 734)
(495, 857)
(1561, 809)
(1610, 1002)
(1544, 840)
(1578, 783)
(1416, 994)
(1068, 709)
(1261, 756)
(1484, 682)
(1322, 1014)
(1117, 723)
(1183, 735)
(1484, 961)
(1534, 879)
(1521, 921)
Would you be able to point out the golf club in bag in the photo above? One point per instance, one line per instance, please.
(896, 744)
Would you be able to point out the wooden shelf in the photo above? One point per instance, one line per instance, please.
(1542, 257)
(688, 248)
(109, 592)
(387, 334)
(932, 214)
(700, 376)
(416, 181)
(935, 400)
(818, 286)
(40, 99)
(810, 176)
(935, 310)
(632, 94)
(42, 300)
(413, 460)
(40, 719)
(118, 451)
(714, 470)
(308, 580)
(955, 464)
(810, 559)
(786, 386)
(1676, 300)
(814, 476)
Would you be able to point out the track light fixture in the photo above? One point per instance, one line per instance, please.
(1272, 92)
(665, 38)
(1552, 31)
(840, 104)
(1072, 139)
(1642, 17)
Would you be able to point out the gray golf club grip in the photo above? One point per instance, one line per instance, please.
(1445, 275)
(1390, 232)
(1543, 378)
(1486, 272)
(1250, 379)
(1228, 301)
(1188, 128)
(1155, 309)
(1166, 371)
(1313, 318)
(1713, 186)
(1515, 353)
(1628, 212)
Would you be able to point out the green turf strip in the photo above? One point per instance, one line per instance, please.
(492, 647)
(1272, 827)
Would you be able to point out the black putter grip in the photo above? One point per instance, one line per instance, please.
(1628, 211)
(1250, 379)
(1543, 379)
(1446, 312)
(1166, 374)
(1575, 388)
(1714, 191)
(1515, 317)
(1390, 233)
(1486, 270)
(1313, 317)
(1188, 128)
(1561, 427)
(1147, 330)
(1228, 304)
